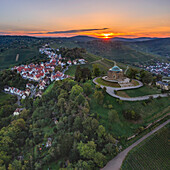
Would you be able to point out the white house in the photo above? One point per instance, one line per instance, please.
(163, 85)
(17, 111)
(6, 88)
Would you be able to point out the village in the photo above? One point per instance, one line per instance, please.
(44, 73)
(162, 68)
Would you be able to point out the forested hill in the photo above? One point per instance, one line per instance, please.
(129, 52)
(118, 51)
(122, 51)
(159, 46)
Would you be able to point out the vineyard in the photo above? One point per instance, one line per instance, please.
(153, 153)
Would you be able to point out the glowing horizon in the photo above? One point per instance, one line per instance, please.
(128, 18)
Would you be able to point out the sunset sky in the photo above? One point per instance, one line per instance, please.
(99, 18)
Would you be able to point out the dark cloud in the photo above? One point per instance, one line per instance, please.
(3, 33)
(70, 31)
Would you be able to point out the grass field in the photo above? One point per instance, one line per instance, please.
(153, 153)
(106, 83)
(48, 89)
(142, 91)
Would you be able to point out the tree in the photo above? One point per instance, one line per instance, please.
(146, 77)
(101, 131)
(75, 91)
(98, 95)
(87, 150)
(15, 165)
(87, 88)
(113, 116)
(84, 165)
(96, 70)
(109, 148)
(78, 74)
(61, 104)
(131, 115)
(80, 99)
(132, 73)
(77, 123)
(99, 159)
(104, 90)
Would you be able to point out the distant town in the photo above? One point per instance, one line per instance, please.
(162, 68)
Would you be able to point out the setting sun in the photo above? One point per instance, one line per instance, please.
(107, 35)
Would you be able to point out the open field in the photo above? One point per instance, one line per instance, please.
(106, 83)
(103, 64)
(142, 91)
(49, 88)
(152, 153)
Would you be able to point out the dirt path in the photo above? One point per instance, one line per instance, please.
(115, 163)
(93, 62)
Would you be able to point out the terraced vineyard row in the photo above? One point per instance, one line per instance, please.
(153, 153)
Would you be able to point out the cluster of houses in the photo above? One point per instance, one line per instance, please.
(43, 73)
(37, 72)
(162, 68)
(163, 85)
(60, 61)
(15, 91)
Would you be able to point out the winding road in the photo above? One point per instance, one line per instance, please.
(111, 92)
(115, 163)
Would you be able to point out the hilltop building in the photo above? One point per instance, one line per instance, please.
(115, 73)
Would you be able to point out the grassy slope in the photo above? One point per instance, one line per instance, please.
(149, 113)
(106, 83)
(104, 64)
(48, 89)
(142, 91)
(153, 153)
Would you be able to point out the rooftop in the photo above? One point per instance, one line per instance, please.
(115, 68)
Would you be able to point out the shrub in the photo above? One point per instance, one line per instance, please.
(110, 106)
(113, 116)
(131, 115)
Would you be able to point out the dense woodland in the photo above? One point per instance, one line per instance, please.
(62, 117)
(78, 140)
(12, 79)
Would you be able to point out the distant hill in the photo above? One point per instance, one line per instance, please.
(88, 38)
(132, 39)
(128, 51)
(83, 38)
(160, 46)
(27, 47)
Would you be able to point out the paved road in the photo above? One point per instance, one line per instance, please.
(111, 92)
(18, 100)
(115, 163)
